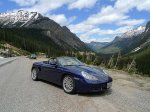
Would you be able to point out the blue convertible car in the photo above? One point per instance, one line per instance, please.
(71, 74)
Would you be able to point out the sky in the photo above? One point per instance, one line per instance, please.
(90, 20)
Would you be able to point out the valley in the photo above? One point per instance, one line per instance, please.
(133, 45)
(75, 56)
(31, 32)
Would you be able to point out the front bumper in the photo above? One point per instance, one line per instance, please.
(84, 87)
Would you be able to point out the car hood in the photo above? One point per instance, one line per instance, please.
(91, 70)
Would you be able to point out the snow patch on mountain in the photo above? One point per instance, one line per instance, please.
(136, 49)
(133, 32)
(147, 29)
(21, 16)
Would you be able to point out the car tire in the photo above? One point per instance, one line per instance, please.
(68, 84)
(34, 75)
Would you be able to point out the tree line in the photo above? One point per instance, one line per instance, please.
(33, 41)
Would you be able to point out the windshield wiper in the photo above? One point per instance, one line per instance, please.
(73, 65)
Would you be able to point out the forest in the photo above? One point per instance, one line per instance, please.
(33, 41)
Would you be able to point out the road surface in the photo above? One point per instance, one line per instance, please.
(18, 93)
(4, 61)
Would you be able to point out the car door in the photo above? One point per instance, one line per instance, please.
(52, 72)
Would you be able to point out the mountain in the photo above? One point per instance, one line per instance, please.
(96, 46)
(126, 42)
(135, 47)
(141, 53)
(145, 41)
(18, 19)
(41, 29)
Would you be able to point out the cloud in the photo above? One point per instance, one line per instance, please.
(80, 4)
(140, 5)
(101, 32)
(62, 19)
(102, 39)
(131, 22)
(45, 7)
(113, 15)
(94, 33)
(143, 5)
(80, 28)
(42, 6)
(25, 2)
(106, 15)
(117, 14)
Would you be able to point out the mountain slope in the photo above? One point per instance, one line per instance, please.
(140, 53)
(126, 42)
(144, 44)
(30, 40)
(28, 21)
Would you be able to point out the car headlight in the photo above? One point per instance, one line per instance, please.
(88, 76)
(105, 72)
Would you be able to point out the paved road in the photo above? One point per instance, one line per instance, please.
(4, 61)
(18, 93)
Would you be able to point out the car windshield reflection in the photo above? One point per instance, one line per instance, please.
(69, 61)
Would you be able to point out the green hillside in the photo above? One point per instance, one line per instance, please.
(32, 40)
(143, 61)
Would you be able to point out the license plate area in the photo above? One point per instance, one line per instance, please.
(109, 85)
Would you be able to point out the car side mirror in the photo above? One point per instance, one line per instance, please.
(53, 63)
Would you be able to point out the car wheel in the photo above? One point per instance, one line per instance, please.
(34, 74)
(68, 84)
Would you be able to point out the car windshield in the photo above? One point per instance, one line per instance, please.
(33, 55)
(69, 61)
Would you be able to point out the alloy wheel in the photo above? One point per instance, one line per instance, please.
(68, 84)
(34, 74)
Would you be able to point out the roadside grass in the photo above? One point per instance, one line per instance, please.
(125, 71)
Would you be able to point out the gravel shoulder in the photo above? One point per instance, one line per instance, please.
(18, 93)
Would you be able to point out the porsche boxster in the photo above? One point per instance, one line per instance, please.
(72, 75)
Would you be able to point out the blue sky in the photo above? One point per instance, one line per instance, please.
(91, 20)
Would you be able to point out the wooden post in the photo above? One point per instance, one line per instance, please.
(110, 63)
(133, 64)
(118, 58)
